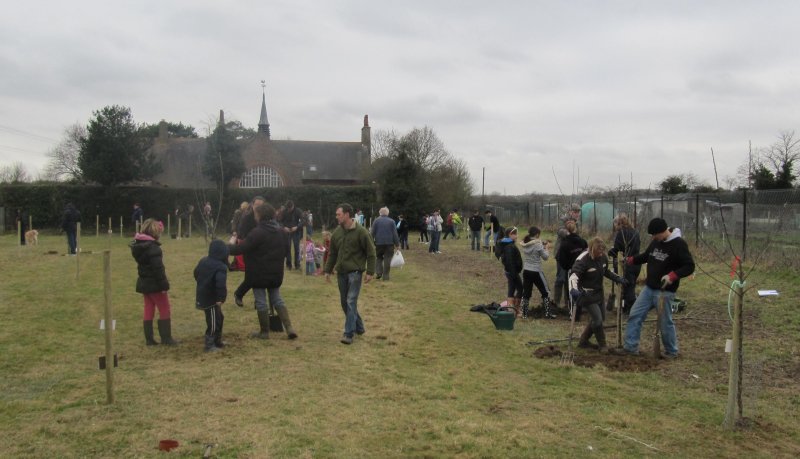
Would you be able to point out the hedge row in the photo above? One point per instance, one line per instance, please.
(45, 202)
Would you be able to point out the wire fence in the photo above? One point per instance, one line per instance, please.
(754, 225)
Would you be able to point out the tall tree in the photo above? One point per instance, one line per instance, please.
(223, 159)
(63, 163)
(445, 176)
(403, 183)
(114, 151)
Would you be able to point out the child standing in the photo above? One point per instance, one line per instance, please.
(152, 282)
(211, 275)
(320, 252)
(533, 252)
(310, 266)
(512, 264)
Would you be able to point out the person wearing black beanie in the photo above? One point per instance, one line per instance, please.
(668, 260)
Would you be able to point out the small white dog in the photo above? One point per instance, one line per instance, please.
(32, 237)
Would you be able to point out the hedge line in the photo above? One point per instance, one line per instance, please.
(45, 202)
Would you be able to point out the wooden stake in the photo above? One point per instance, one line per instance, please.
(120, 226)
(97, 225)
(19, 232)
(168, 224)
(733, 411)
(30, 222)
(190, 225)
(303, 254)
(78, 251)
(109, 227)
(109, 327)
(179, 228)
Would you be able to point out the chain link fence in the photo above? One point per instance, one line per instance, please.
(758, 226)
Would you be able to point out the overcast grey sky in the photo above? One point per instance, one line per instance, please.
(519, 87)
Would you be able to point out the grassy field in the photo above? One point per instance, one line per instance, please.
(428, 379)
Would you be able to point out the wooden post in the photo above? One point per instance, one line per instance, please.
(120, 226)
(190, 225)
(179, 229)
(109, 327)
(78, 251)
(19, 232)
(303, 259)
(97, 225)
(30, 222)
(733, 411)
(109, 227)
(168, 225)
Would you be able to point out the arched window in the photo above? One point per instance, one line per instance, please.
(260, 177)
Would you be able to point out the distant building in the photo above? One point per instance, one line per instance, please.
(270, 163)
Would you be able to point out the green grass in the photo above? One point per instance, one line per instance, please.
(429, 379)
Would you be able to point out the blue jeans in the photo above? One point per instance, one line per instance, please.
(72, 240)
(260, 295)
(647, 300)
(295, 242)
(476, 239)
(434, 245)
(349, 288)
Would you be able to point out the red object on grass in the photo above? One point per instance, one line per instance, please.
(166, 445)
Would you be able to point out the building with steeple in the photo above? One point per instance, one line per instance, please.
(269, 163)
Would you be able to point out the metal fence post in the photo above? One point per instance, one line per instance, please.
(697, 220)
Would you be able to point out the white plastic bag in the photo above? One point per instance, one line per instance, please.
(397, 260)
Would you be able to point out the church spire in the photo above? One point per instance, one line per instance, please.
(263, 122)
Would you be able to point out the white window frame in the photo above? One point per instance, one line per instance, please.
(260, 177)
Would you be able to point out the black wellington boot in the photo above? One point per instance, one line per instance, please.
(600, 334)
(583, 342)
(263, 323)
(148, 333)
(283, 313)
(218, 334)
(165, 331)
(209, 344)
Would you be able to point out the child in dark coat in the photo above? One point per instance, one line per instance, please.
(211, 275)
(512, 265)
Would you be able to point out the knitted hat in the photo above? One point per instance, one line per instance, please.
(656, 226)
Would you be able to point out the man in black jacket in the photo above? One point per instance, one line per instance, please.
(668, 259)
(475, 225)
(69, 223)
(263, 250)
(292, 224)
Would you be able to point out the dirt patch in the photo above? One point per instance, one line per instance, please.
(547, 352)
(612, 362)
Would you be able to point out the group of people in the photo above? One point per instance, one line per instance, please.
(263, 240)
(581, 267)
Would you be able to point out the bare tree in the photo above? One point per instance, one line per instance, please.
(63, 163)
(384, 143)
(14, 173)
(427, 149)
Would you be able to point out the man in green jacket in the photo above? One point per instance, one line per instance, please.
(352, 252)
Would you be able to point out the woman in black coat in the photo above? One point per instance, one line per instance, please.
(264, 249)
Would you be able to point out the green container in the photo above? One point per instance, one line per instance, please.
(504, 320)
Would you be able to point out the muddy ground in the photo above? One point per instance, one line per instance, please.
(702, 331)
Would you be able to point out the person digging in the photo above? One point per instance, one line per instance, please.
(586, 284)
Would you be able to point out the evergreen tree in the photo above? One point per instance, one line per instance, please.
(114, 151)
(223, 160)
